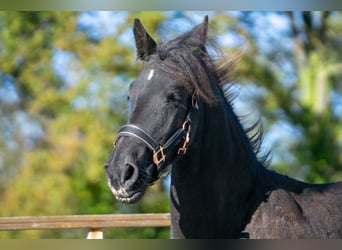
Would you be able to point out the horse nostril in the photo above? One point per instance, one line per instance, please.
(106, 166)
(129, 175)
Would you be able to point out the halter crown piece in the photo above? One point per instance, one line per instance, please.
(160, 151)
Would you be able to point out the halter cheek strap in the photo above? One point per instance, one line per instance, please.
(160, 151)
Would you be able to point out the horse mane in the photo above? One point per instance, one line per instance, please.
(201, 72)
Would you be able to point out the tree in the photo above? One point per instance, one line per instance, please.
(76, 113)
(301, 70)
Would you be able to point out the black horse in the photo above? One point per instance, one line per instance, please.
(220, 188)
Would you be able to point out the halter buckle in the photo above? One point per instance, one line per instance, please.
(183, 149)
(159, 156)
(194, 103)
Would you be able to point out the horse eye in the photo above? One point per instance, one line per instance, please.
(171, 98)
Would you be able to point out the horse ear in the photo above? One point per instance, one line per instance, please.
(144, 43)
(197, 37)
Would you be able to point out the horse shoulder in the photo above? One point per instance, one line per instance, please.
(323, 206)
(279, 216)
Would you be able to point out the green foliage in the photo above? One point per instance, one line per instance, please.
(303, 100)
(61, 172)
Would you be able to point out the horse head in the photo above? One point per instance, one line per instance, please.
(163, 101)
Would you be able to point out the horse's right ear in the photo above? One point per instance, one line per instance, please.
(144, 43)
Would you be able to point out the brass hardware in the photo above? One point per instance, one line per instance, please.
(159, 156)
(194, 103)
(183, 149)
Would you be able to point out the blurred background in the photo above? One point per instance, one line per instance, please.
(63, 84)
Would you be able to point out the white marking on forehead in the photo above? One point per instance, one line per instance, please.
(150, 75)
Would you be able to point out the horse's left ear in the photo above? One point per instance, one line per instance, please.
(144, 43)
(197, 37)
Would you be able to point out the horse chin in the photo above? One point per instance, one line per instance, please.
(135, 197)
(126, 196)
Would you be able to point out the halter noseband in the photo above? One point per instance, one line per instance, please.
(160, 150)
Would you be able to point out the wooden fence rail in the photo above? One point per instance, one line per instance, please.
(94, 223)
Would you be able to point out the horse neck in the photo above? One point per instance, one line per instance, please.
(207, 184)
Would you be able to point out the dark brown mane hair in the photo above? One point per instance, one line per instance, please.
(201, 73)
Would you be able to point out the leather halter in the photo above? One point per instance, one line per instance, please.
(160, 151)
